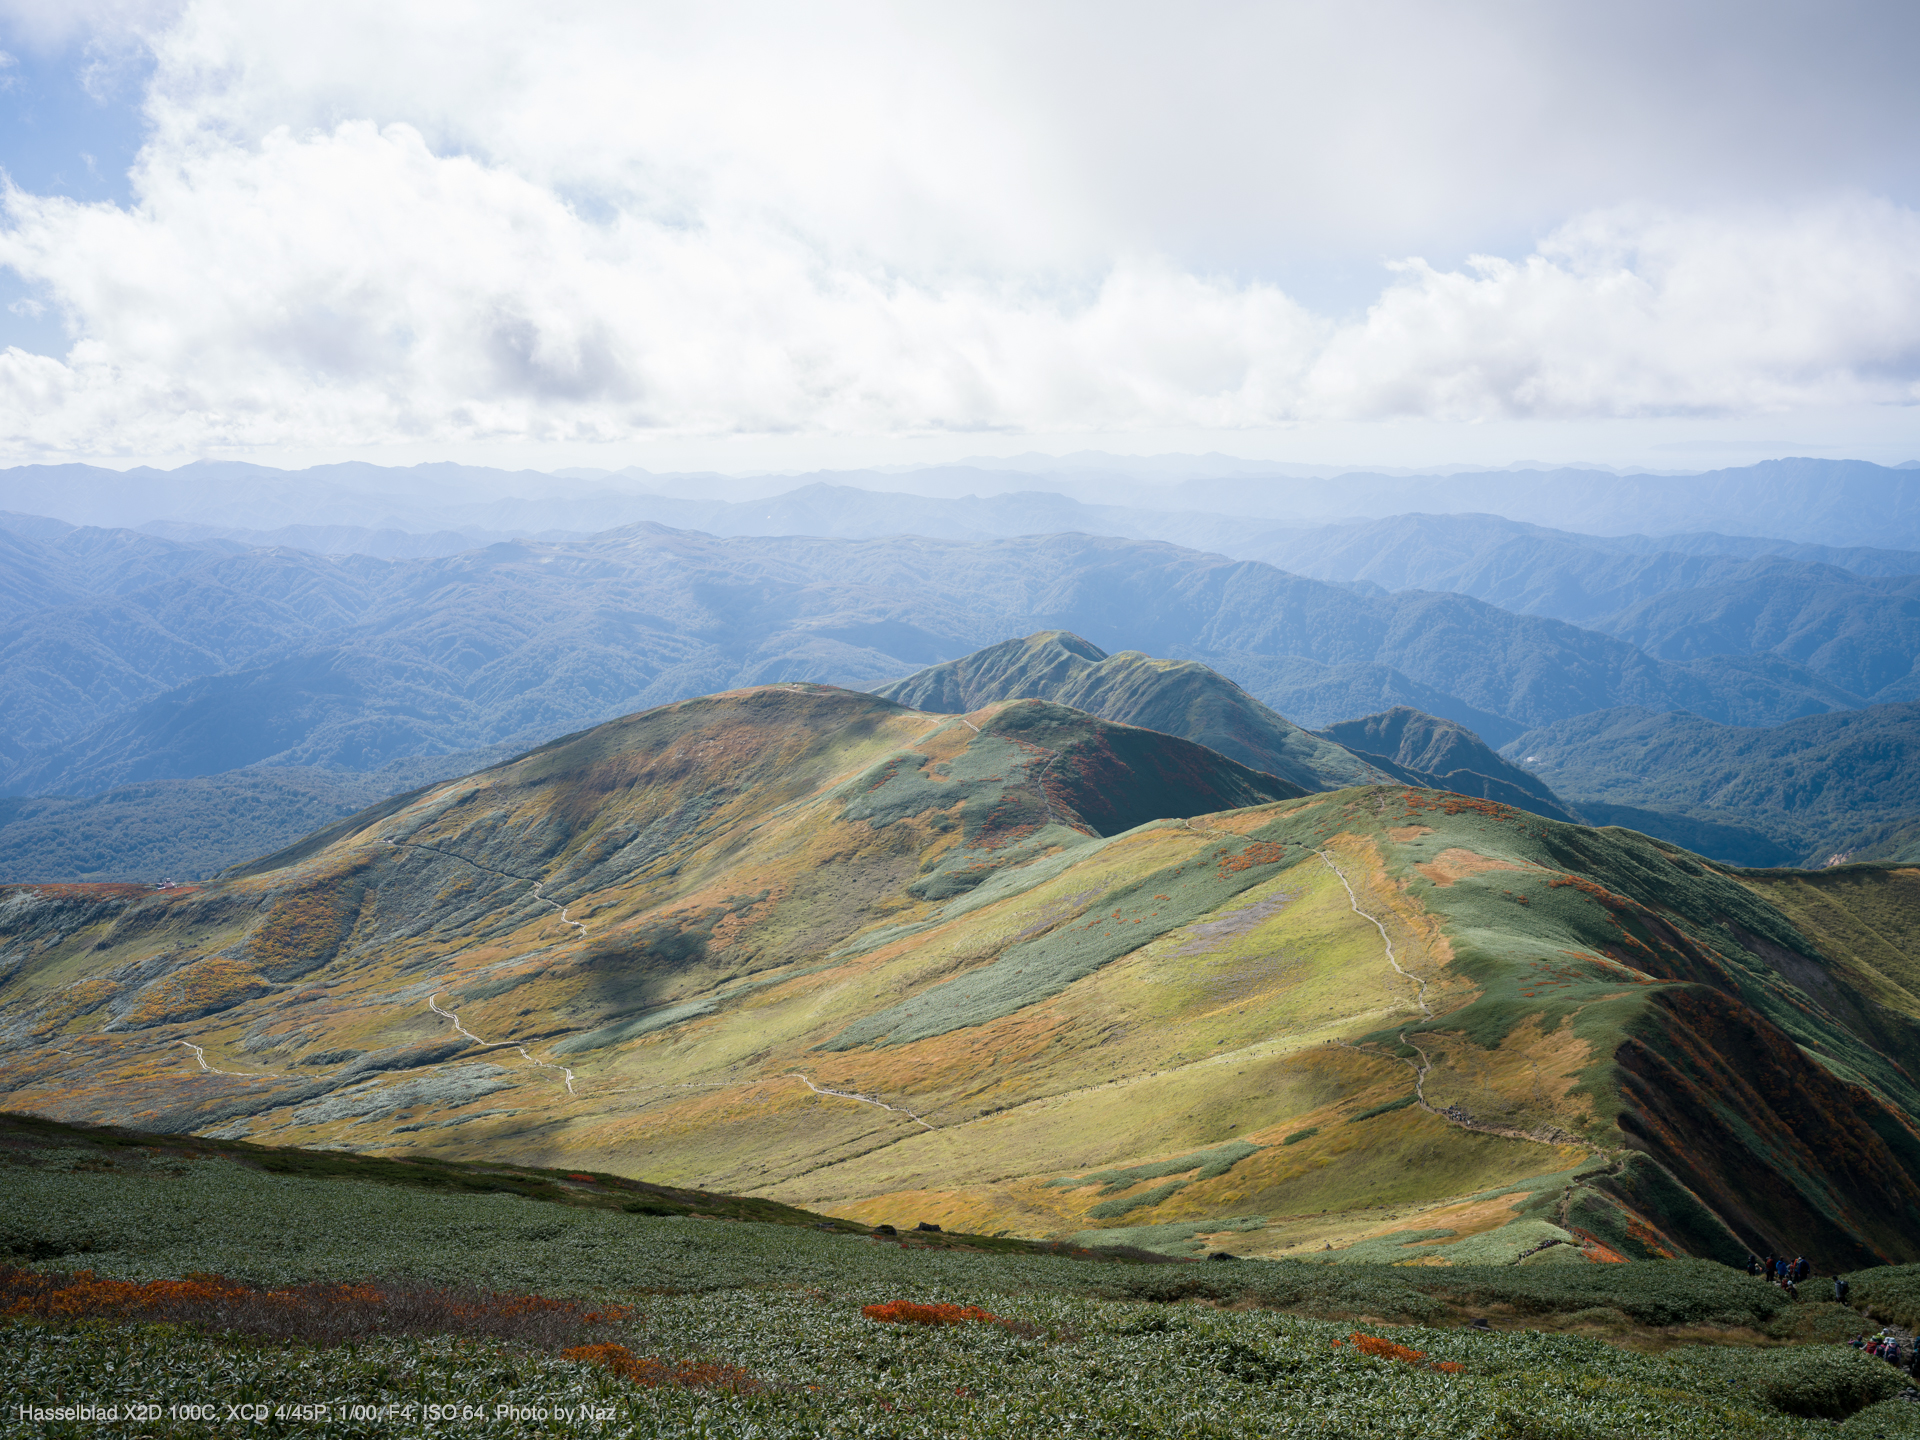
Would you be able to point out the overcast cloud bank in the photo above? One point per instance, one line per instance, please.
(439, 227)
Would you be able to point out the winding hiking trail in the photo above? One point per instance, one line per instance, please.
(558, 906)
(433, 1000)
(201, 1055)
(1385, 938)
(1544, 1135)
(433, 1004)
(505, 874)
(851, 1095)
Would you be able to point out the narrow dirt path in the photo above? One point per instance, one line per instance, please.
(851, 1095)
(201, 1055)
(1385, 938)
(433, 1004)
(561, 908)
(433, 1001)
(1546, 1135)
(504, 874)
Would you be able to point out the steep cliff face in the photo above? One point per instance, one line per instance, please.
(1018, 969)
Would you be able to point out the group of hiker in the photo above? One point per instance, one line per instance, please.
(1888, 1348)
(1787, 1274)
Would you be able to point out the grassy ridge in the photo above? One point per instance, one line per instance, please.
(28, 1140)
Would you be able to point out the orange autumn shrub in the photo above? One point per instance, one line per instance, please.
(646, 1370)
(1383, 1349)
(323, 1312)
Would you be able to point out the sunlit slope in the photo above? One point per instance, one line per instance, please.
(1020, 970)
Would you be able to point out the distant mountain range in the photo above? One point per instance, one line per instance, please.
(1809, 792)
(290, 659)
(1823, 502)
(187, 650)
(1850, 618)
(190, 829)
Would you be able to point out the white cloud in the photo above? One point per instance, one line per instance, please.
(389, 225)
(1648, 313)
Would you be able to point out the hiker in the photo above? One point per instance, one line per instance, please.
(1802, 1268)
(1840, 1288)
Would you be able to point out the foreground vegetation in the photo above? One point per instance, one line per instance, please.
(179, 1278)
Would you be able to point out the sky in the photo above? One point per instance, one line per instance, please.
(759, 236)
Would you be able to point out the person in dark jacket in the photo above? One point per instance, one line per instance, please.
(1840, 1288)
(1802, 1268)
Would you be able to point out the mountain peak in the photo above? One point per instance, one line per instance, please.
(1424, 749)
(1175, 697)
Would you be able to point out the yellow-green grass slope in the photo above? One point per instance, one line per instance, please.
(1017, 971)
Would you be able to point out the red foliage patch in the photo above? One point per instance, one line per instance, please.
(1260, 852)
(1596, 1250)
(84, 890)
(1383, 1349)
(1453, 804)
(905, 1312)
(324, 1313)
